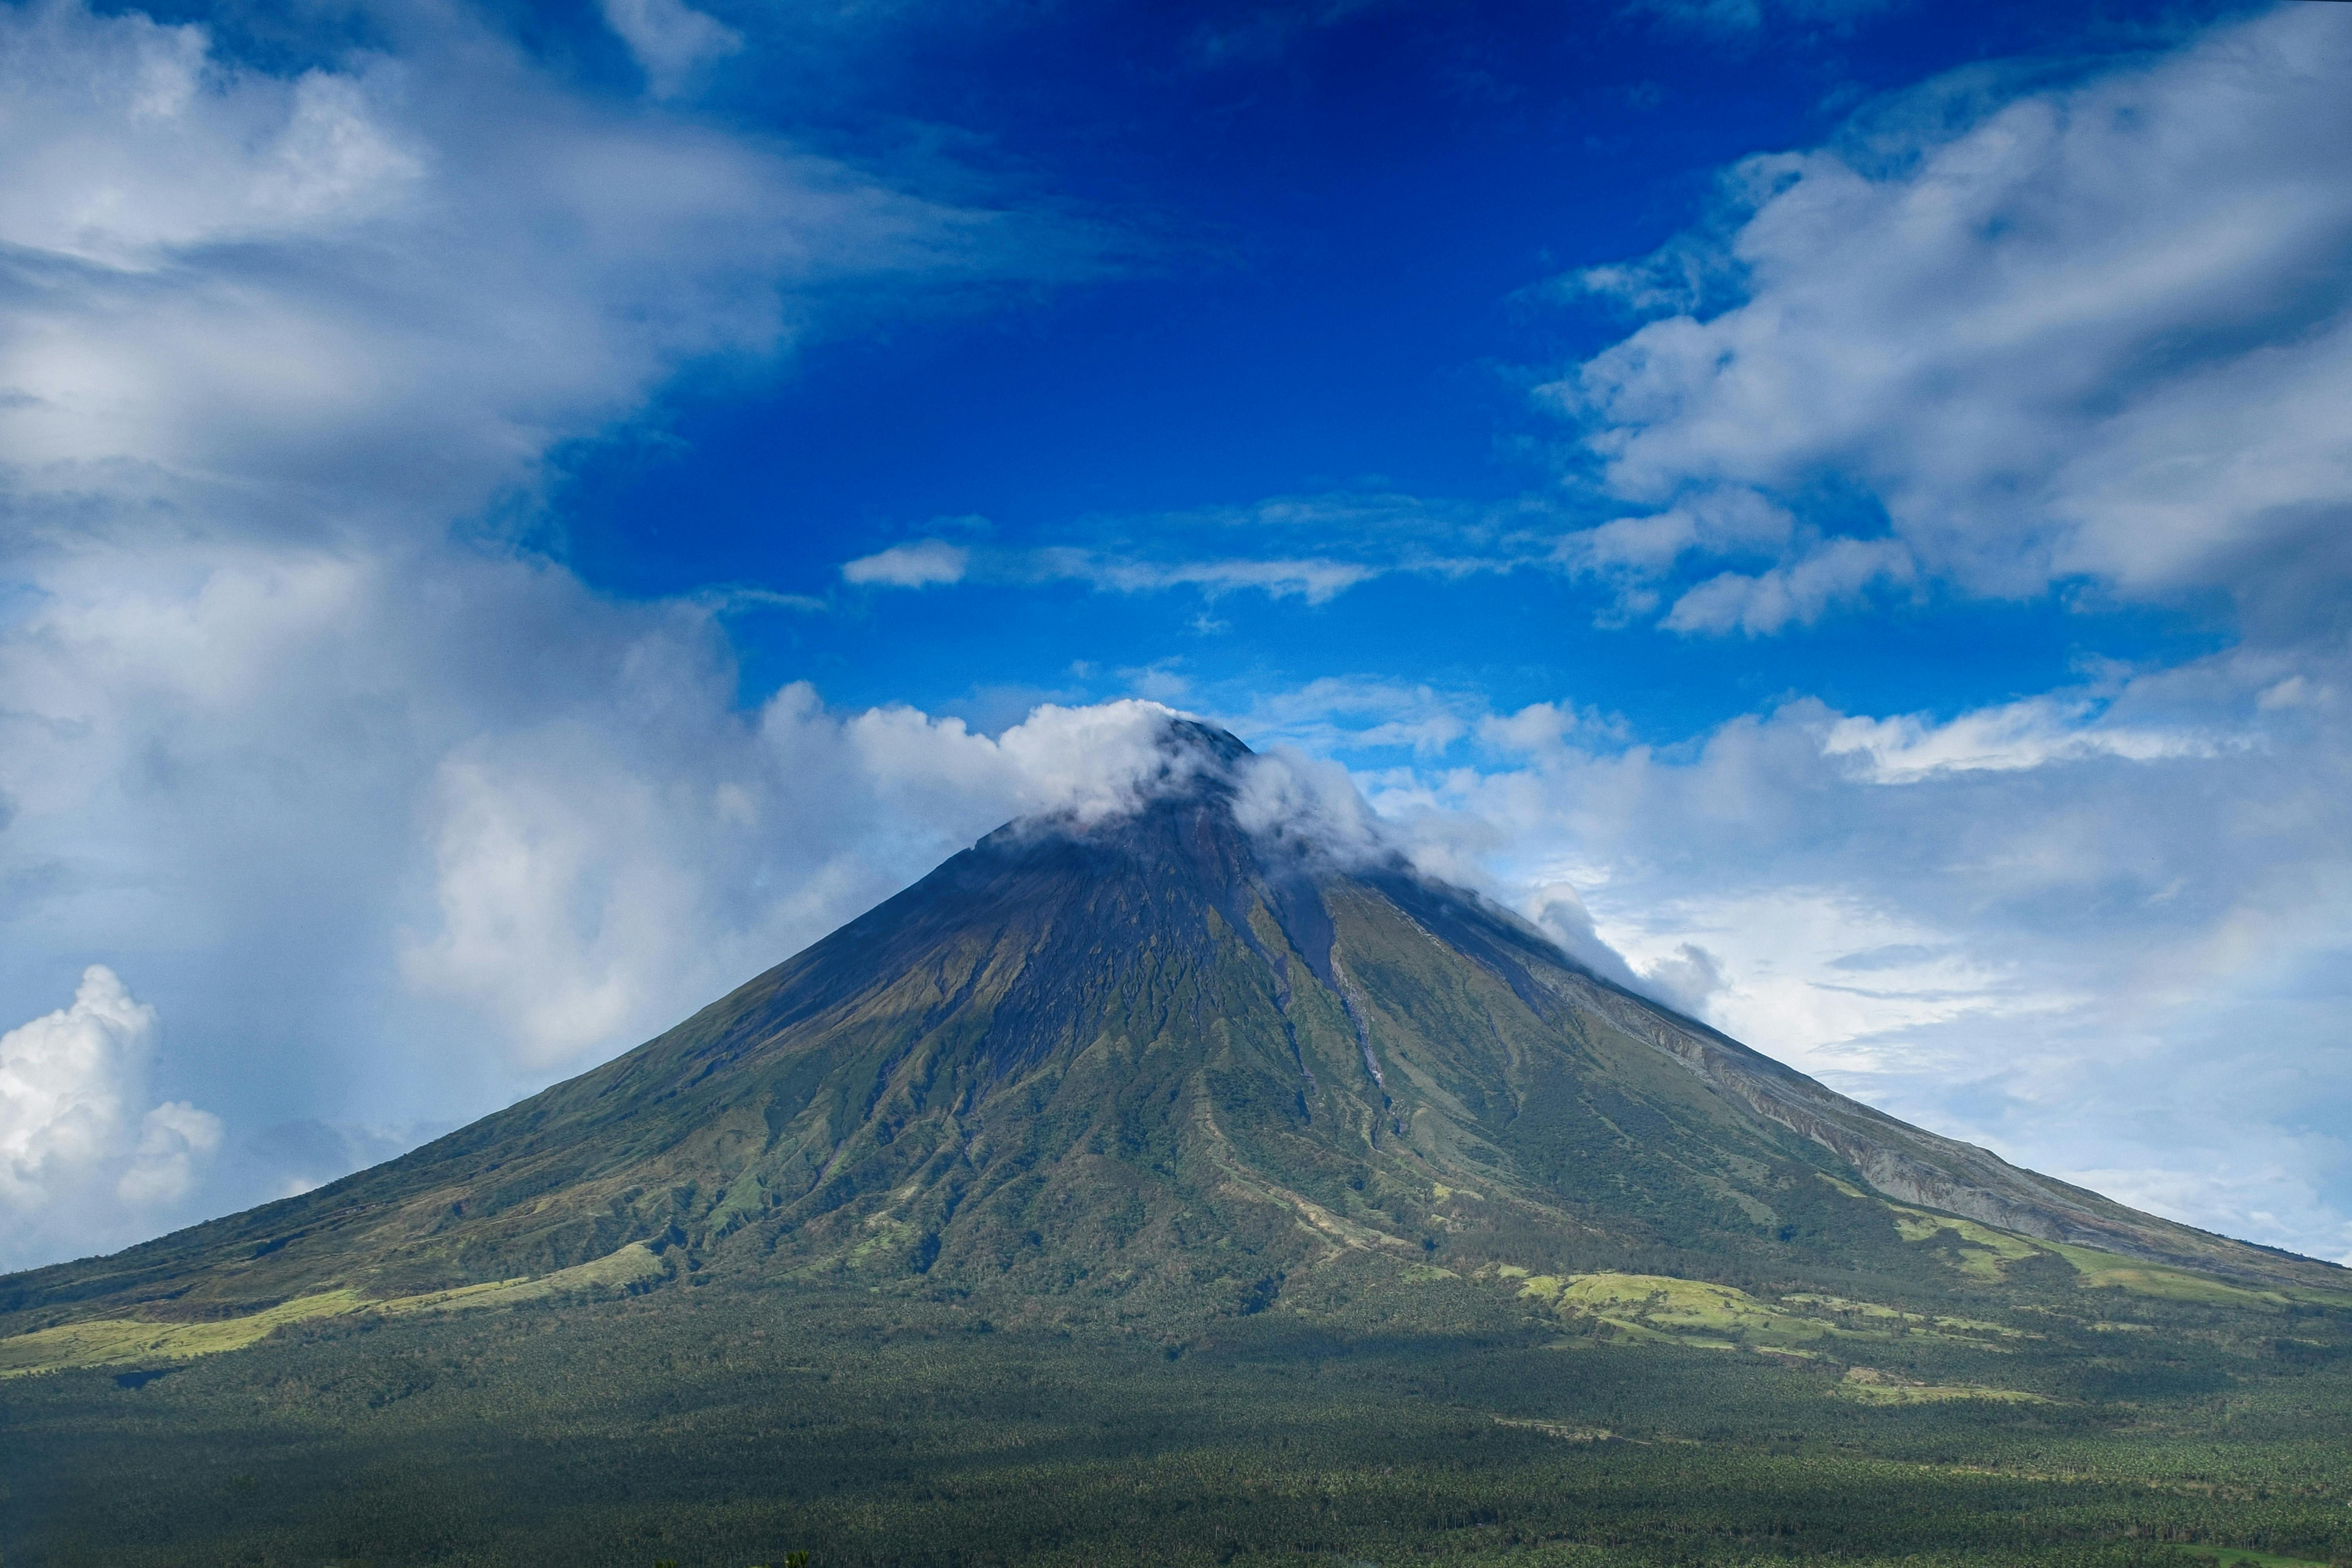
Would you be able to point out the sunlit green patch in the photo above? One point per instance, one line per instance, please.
(1983, 1251)
(1657, 1309)
(118, 1342)
(2106, 1270)
(124, 1341)
(1870, 1310)
(1868, 1385)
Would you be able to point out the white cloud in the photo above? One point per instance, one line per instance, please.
(172, 1138)
(930, 562)
(593, 879)
(76, 1160)
(917, 566)
(1688, 978)
(212, 277)
(1316, 581)
(62, 1083)
(2027, 734)
(387, 824)
(1311, 806)
(1793, 594)
(671, 40)
(2101, 331)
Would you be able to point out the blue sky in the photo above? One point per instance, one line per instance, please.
(512, 519)
(1327, 255)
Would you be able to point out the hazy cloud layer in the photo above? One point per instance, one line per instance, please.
(387, 827)
(2107, 932)
(393, 838)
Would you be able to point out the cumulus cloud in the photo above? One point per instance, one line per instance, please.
(77, 1159)
(1835, 572)
(917, 565)
(388, 823)
(2099, 333)
(485, 822)
(589, 883)
(1310, 806)
(1688, 978)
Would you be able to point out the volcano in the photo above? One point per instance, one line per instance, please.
(1171, 1055)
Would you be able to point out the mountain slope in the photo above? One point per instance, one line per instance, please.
(1159, 1058)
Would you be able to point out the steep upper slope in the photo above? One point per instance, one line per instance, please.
(1157, 1054)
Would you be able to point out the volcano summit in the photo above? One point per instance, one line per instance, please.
(1180, 1053)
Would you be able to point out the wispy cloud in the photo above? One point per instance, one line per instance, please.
(921, 565)
(1350, 538)
(2033, 733)
(1315, 581)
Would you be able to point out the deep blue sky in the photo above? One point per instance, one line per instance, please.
(1325, 247)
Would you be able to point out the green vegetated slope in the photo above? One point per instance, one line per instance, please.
(1368, 1417)
(1149, 1107)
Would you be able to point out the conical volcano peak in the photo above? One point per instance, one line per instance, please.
(1193, 1030)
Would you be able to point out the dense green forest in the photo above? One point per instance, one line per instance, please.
(1372, 1415)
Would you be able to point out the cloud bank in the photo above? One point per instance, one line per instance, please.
(2100, 333)
(389, 817)
(2106, 932)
